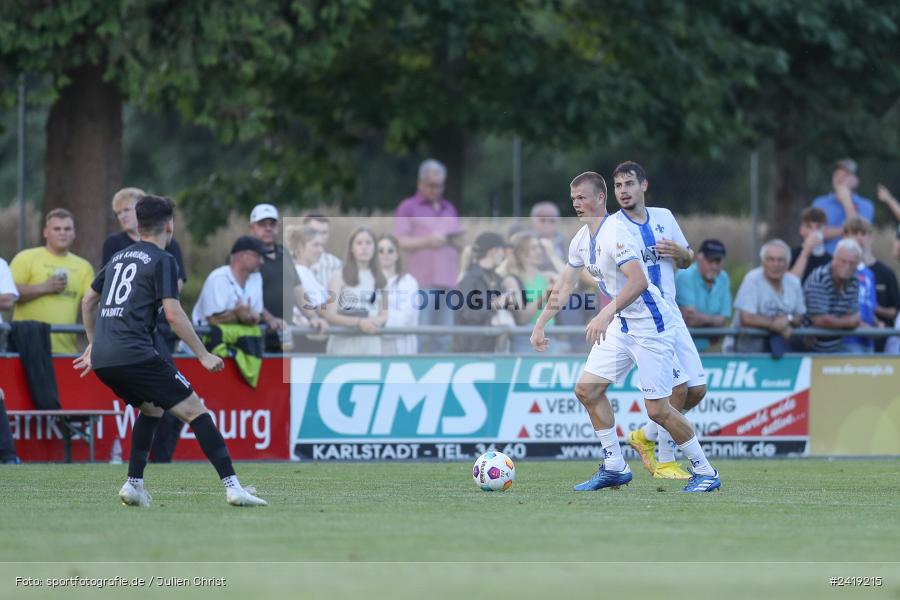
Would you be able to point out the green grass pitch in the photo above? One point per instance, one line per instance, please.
(822, 514)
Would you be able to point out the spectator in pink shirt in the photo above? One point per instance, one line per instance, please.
(427, 227)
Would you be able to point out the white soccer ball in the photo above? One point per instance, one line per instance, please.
(494, 471)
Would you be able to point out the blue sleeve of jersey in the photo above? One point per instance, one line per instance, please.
(167, 278)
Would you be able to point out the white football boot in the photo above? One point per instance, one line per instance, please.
(132, 496)
(242, 497)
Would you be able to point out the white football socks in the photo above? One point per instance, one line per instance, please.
(666, 449)
(231, 482)
(651, 430)
(612, 452)
(137, 482)
(695, 454)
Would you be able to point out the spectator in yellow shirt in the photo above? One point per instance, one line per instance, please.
(51, 280)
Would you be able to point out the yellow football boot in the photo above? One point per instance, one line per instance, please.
(645, 448)
(670, 470)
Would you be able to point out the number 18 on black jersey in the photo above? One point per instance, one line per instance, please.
(132, 286)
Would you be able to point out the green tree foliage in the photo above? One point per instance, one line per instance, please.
(417, 77)
(421, 76)
(827, 92)
(304, 85)
(218, 63)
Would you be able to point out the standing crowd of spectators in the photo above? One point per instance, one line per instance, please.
(831, 281)
(425, 274)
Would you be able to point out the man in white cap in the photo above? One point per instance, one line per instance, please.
(264, 221)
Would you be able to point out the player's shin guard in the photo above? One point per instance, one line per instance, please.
(141, 440)
(213, 444)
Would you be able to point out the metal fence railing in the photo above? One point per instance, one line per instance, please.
(560, 330)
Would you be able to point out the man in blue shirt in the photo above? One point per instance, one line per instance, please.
(843, 203)
(703, 290)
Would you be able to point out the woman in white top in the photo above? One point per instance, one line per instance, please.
(401, 296)
(306, 244)
(358, 290)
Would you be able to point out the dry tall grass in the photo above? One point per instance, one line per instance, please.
(9, 229)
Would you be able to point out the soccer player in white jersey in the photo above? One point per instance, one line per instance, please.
(633, 328)
(663, 247)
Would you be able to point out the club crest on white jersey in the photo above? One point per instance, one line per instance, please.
(602, 254)
(659, 225)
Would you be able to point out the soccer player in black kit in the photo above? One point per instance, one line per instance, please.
(134, 286)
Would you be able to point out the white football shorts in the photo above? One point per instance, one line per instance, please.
(688, 359)
(653, 353)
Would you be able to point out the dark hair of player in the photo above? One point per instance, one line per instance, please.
(153, 212)
(595, 179)
(630, 167)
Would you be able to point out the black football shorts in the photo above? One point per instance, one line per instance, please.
(154, 381)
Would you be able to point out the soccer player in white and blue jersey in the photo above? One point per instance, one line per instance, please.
(663, 247)
(635, 327)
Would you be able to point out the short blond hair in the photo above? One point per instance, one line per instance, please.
(595, 179)
(58, 213)
(126, 196)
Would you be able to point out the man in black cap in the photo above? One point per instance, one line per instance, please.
(233, 293)
(479, 293)
(704, 290)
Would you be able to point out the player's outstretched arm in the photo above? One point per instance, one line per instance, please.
(562, 289)
(182, 327)
(89, 316)
(89, 312)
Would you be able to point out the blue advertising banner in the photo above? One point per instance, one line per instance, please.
(361, 408)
